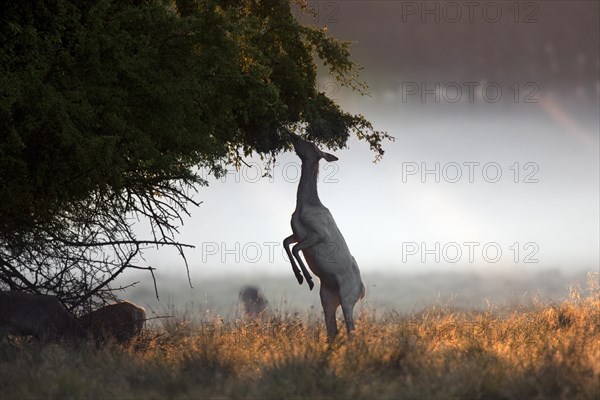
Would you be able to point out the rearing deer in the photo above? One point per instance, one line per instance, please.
(321, 242)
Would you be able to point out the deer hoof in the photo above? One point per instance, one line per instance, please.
(310, 284)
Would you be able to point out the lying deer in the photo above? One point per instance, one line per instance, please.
(40, 316)
(121, 321)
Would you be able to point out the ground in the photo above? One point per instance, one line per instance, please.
(542, 352)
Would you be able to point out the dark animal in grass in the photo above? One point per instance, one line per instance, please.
(41, 316)
(254, 305)
(121, 322)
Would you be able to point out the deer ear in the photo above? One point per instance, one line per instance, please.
(329, 157)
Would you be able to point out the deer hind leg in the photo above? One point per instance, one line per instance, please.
(348, 310)
(349, 298)
(287, 242)
(330, 300)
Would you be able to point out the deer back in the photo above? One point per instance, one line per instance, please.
(41, 316)
(121, 321)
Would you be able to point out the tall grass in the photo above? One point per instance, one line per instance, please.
(542, 352)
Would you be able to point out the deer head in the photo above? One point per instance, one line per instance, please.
(308, 151)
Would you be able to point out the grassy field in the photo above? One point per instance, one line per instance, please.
(404, 292)
(540, 352)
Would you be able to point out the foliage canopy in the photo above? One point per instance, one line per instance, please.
(108, 108)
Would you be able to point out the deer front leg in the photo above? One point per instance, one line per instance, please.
(307, 243)
(286, 245)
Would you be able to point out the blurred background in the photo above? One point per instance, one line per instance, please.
(490, 192)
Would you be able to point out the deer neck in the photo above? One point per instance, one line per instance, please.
(307, 188)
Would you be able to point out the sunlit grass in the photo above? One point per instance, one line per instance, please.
(546, 351)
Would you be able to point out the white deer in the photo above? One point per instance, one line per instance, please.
(322, 244)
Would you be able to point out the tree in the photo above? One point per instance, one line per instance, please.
(108, 108)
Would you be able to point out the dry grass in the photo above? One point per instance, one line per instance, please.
(549, 351)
